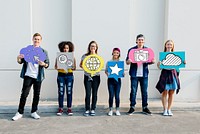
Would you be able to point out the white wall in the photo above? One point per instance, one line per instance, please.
(183, 27)
(112, 24)
(15, 33)
(106, 22)
(15, 30)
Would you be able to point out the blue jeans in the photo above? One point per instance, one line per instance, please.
(134, 85)
(65, 81)
(114, 90)
(91, 87)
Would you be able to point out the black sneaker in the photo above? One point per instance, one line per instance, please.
(146, 111)
(131, 111)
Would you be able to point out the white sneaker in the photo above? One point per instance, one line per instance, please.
(35, 115)
(86, 113)
(165, 113)
(92, 113)
(110, 113)
(118, 113)
(170, 113)
(17, 116)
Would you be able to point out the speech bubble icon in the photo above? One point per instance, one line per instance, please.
(172, 60)
(33, 54)
(65, 60)
(140, 56)
(115, 69)
(93, 64)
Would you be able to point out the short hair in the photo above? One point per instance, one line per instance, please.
(37, 34)
(62, 44)
(139, 36)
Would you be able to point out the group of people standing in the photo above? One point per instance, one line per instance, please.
(33, 74)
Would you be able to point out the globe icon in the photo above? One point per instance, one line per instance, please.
(93, 63)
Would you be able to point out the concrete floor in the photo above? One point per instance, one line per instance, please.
(186, 120)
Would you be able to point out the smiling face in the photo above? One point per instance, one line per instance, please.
(169, 46)
(116, 55)
(140, 42)
(93, 48)
(66, 48)
(37, 40)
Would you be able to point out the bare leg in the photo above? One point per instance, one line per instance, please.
(170, 99)
(164, 99)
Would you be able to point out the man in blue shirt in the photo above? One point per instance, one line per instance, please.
(138, 74)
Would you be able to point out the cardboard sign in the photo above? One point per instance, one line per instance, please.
(115, 69)
(65, 60)
(140, 56)
(93, 64)
(172, 60)
(33, 54)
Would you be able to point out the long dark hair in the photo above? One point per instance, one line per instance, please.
(88, 50)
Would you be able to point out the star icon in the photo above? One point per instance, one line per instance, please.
(115, 69)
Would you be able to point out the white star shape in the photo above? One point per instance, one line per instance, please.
(115, 69)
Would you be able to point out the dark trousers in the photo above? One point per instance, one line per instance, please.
(91, 87)
(28, 82)
(114, 90)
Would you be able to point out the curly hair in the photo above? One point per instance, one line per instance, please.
(62, 44)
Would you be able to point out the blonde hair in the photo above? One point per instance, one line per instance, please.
(166, 44)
